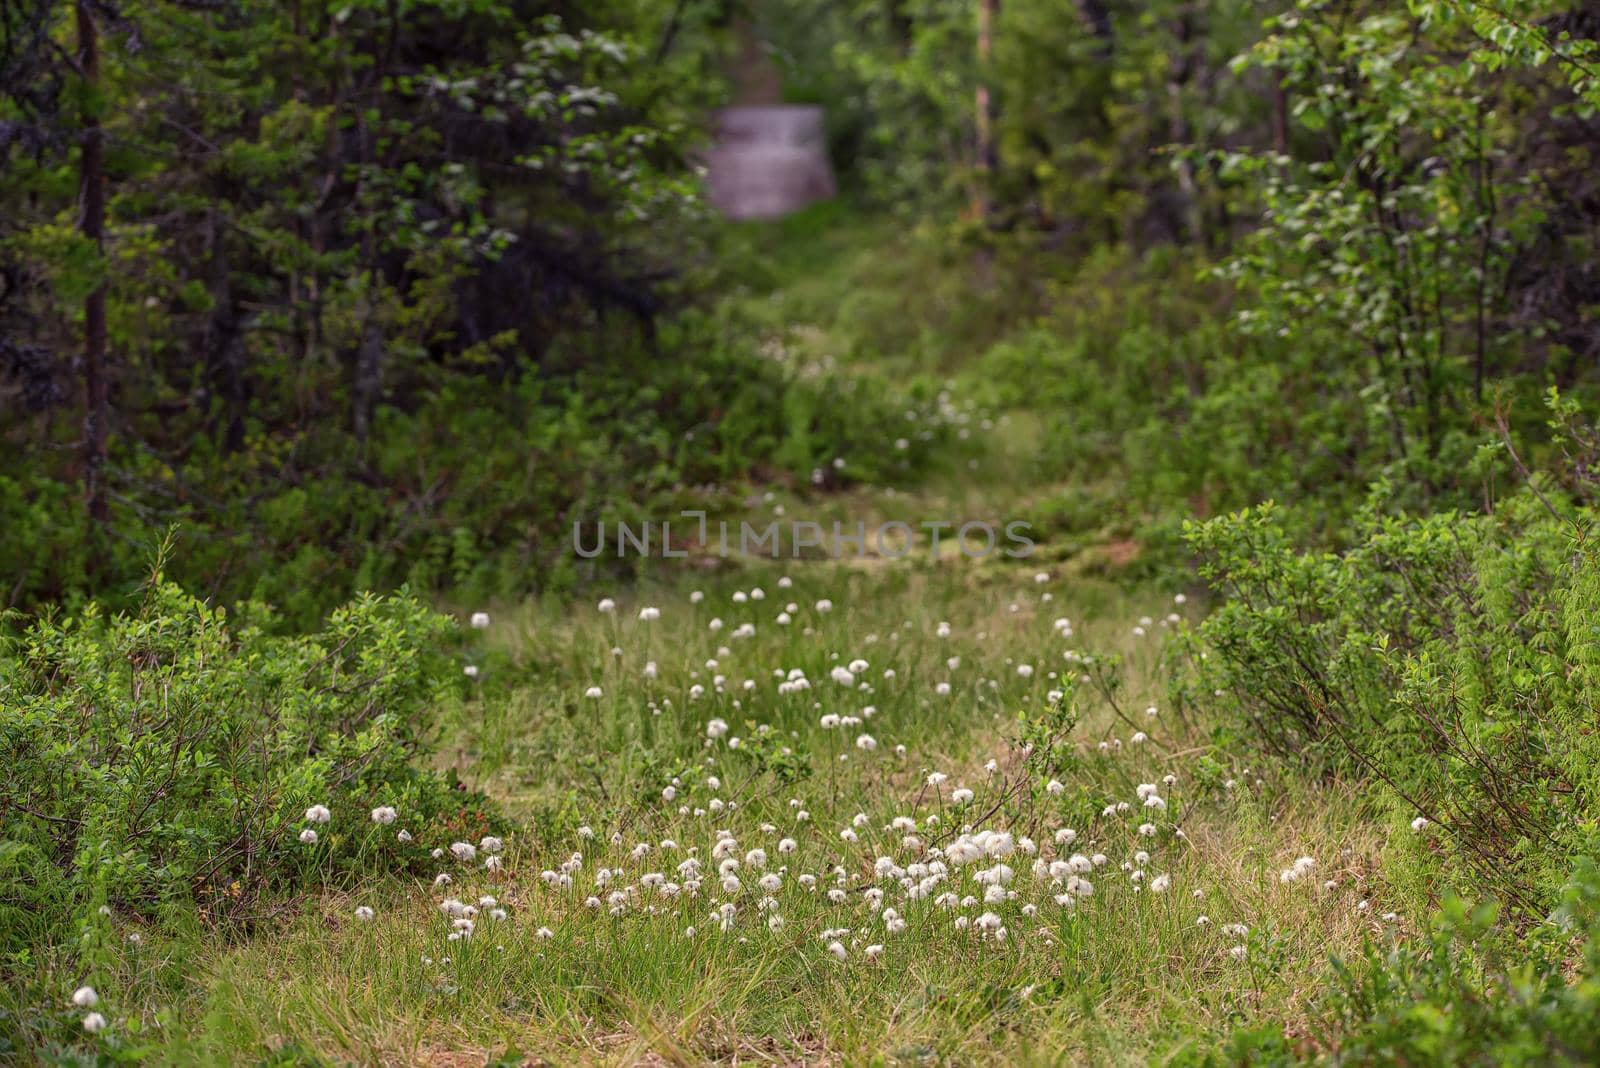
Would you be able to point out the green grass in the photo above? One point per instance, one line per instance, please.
(1125, 975)
(1119, 976)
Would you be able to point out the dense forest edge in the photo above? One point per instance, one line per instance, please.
(324, 326)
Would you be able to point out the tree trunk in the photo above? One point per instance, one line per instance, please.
(1180, 73)
(1280, 114)
(369, 370)
(92, 224)
(222, 349)
(1098, 19)
(987, 153)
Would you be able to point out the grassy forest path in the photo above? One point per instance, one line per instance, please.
(834, 720)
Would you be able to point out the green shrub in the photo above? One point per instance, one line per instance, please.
(1470, 991)
(1450, 658)
(474, 490)
(1473, 992)
(166, 758)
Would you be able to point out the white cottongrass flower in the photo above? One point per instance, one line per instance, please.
(990, 924)
(716, 728)
(1419, 823)
(465, 852)
(649, 614)
(594, 692)
(607, 605)
(838, 950)
(470, 671)
(866, 743)
(85, 997)
(1301, 868)
(364, 913)
(964, 850)
(997, 844)
(318, 814)
(308, 836)
(480, 621)
(384, 814)
(94, 1023)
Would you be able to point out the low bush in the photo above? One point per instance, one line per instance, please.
(1470, 991)
(1451, 659)
(474, 490)
(166, 759)
(1473, 992)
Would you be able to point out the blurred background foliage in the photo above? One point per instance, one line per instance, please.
(387, 292)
